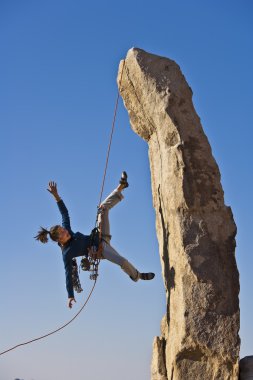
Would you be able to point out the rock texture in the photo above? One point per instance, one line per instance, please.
(246, 368)
(196, 231)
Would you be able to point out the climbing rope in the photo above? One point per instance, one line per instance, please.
(96, 261)
(54, 331)
(112, 131)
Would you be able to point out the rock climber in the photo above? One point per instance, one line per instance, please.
(74, 244)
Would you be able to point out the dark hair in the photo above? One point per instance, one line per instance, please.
(43, 232)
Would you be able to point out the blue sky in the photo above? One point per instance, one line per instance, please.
(58, 69)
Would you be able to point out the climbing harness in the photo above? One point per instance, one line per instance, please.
(95, 253)
(91, 262)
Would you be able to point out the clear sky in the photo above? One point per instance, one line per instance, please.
(58, 68)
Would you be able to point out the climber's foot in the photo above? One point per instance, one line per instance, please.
(123, 181)
(147, 276)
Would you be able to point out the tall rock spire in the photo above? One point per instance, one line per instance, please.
(195, 229)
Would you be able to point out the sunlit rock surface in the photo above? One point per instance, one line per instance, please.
(196, 231)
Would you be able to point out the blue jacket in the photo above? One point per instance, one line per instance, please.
(77, 246)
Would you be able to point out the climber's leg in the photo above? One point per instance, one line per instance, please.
(103, 213)
(112, 255)
(103, 210)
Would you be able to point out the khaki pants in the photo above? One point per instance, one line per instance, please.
(109, 252)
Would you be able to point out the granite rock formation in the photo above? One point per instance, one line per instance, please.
(195, 229)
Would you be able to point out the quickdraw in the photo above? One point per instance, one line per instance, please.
(75, 277)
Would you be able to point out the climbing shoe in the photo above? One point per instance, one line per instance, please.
(147, 276)
(123, 180)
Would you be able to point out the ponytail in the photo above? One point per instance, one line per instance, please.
(42, 235)
(43, 232)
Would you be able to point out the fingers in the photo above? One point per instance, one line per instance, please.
(52, 186)
(70, 302)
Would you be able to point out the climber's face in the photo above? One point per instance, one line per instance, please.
(63, 235)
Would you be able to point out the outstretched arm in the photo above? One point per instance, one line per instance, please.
(69, 282)
(52, 188)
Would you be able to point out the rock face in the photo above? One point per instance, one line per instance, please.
(196, 231)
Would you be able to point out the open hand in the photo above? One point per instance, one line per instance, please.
(52, 188)
(70, 301)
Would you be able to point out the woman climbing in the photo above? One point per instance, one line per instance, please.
(76, 244)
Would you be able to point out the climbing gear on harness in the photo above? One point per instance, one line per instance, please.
(75, 277)
(96, 248)
(91, 262)
(95, 238)
(85, 264)
(94, 269)
(123, 180)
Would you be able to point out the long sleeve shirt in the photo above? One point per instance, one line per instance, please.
(77, 246)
